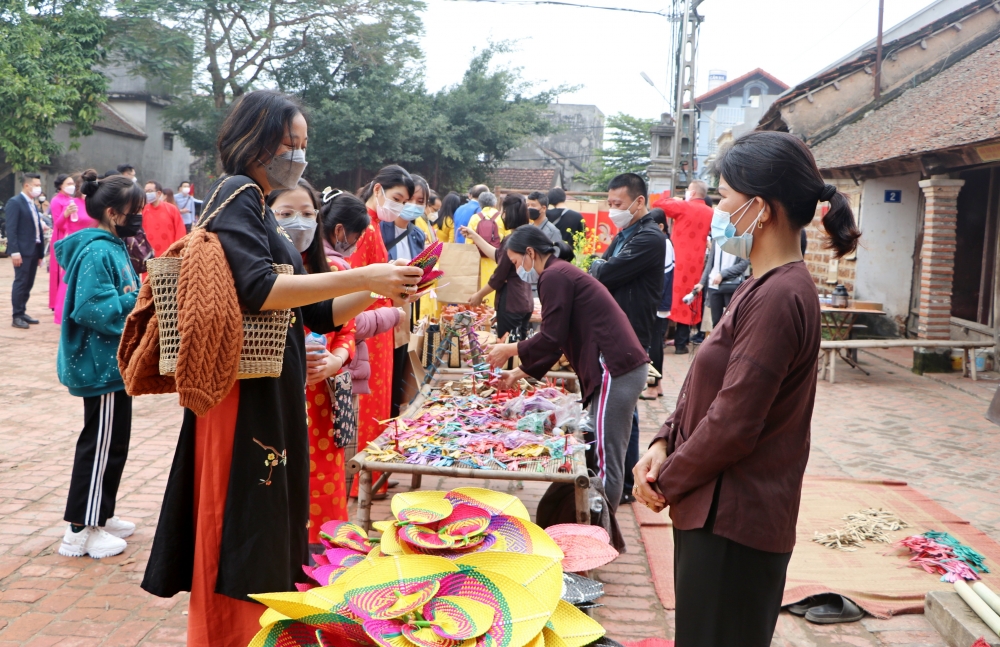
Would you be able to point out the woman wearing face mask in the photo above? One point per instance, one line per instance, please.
(581, 320)
(101, 292)
(69, 215)
(513, 286)
(232, 525)
(446, 217)
(344, 220)
(729, 461)
(297, 212)
(385, 198)
(430, 215)
(161, 221)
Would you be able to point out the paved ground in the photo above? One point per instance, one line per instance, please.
(892, 424)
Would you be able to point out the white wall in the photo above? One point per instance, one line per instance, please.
(885, 259)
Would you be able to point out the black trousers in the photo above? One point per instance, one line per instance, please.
(728, 594)
(514, 323)
(718, 302)
(101, 452)
(656, 347)
(24, 280)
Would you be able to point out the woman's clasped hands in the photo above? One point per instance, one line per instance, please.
(645, 473)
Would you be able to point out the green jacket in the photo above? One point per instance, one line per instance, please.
(101, 292)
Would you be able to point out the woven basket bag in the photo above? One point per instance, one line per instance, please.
(264, 334)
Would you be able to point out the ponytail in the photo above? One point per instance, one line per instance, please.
(780, 169)
(839, 225)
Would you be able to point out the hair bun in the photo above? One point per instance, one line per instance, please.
(827, 192)
(90, 184)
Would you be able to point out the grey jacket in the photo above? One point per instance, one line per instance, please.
(731, 276)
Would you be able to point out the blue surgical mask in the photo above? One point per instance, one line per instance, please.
(528, 276)
(411, 211)
(724, 231)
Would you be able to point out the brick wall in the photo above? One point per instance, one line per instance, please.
(826, 270)
(937, 256)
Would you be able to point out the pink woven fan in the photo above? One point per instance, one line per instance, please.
(584, 547)
(564, 529)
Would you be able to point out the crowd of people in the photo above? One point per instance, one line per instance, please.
(732, 453)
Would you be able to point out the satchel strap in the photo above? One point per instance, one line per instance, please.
(203, 222)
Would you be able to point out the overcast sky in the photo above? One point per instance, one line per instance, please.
(603, 52)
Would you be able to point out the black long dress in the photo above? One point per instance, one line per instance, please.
(264, 536)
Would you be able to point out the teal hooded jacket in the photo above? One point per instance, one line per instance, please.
(101, 292)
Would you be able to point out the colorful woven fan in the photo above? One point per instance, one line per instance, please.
(426, 261)
(427, 601)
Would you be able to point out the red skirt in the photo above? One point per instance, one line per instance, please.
(215, 620)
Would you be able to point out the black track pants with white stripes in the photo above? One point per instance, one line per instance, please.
(101, 452)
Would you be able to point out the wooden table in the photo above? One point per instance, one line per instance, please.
(363, 467)
(840, 322)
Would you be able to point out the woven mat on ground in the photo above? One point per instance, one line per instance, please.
(878, 578)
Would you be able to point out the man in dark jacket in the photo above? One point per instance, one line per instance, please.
(25, 245)
(632, 270)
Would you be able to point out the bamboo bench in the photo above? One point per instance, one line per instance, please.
(830, 350)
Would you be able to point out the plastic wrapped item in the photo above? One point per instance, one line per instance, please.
(315, 343)
(537, 422)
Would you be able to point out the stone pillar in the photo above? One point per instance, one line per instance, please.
(937, 266)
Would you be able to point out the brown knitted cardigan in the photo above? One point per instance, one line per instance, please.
(210, 323)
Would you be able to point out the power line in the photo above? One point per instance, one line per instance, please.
(664, 14)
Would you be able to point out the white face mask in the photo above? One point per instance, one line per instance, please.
(186, 190)
(724, 231)
(150, 198)
(621, 217)
(301, 229)
(343, 248)
(69, 189)
(36, 191)
(389, 210)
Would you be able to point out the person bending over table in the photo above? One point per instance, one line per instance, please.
(729, 460)
(580, 319)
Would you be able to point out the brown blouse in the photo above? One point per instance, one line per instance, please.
(744, 414)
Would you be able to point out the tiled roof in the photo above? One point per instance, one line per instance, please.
(535, 179)
(111, 121)
(959, 106)
(739, 81)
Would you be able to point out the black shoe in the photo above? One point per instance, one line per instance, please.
(28, 319)
(627, 498)
(840, 610)
(681, 350)
(20, 323)
(699, 338)
(800, 608)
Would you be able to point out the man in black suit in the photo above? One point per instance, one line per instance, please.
(25, 236)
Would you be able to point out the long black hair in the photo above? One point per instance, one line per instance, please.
(314, 255)
(780, 169)
(420, 183)
(446, 214)
(254, 128)
(119, 193)
(515, 211)
(533, 237)
(342, 208)
(388, 177)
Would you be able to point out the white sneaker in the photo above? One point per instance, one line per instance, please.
(119, 527)
(91, 541)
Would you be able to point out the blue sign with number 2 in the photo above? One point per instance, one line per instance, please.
(893, 196)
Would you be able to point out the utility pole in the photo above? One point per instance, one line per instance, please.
(687, 51)
(878, 53)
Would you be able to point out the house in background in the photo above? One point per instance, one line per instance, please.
(920, 164)
(728, 106)
(569, 151)
(131, 130)
(524, 179)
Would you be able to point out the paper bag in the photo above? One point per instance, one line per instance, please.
(460, 264)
